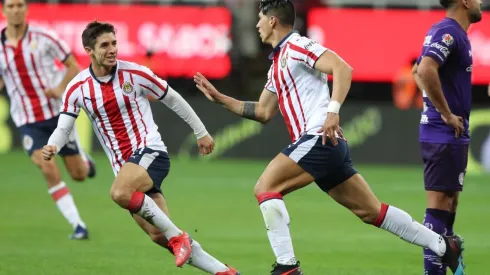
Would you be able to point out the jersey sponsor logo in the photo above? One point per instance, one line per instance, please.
(310, 44)
(427, 40)
(127, 87)
(441, 48)
(447, 39)
(424, 119)
(470, 69)
(33, 45)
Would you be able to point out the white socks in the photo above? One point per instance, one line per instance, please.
(203, 261)
(64, 200)
(401, 224)
(276, 219)
(154, 215)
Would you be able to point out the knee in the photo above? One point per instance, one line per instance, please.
(78, 174)
(120, 195)
(48, 168)
(261, 187)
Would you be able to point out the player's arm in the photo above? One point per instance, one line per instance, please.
(416, 76)
(262, 111)
(59, 137)
(2, 84)
(330, 63)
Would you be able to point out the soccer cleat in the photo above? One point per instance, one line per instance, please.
(91, 167)
(454, 254)
(181, 248)
(230, 271)
(79, 234)
(279, 269)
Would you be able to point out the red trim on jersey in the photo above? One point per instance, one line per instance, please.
(297, 97)
(116, 120)
(381, 216)
(148, 77)
(37, 76)
(139, 111)
(60, 193)
(70, 92)
(24, 108)
(97, 113)
(279, 95)
(149, 89)
(20, 63)
(303, 51)
(129, 109)
(290, 100)
(75, 105)
(52, 39)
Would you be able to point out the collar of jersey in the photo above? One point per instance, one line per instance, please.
(282, 43)
(4, 36)
(113, 74)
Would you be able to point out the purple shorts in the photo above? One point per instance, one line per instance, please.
(444, 166)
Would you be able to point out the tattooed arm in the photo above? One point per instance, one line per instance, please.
(262, 111)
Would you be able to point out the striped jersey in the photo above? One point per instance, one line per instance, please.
(28, 69)
(119, 108)
(302, 91)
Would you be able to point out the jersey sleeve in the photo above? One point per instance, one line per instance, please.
(71, 104)
(150, 83)
(57, 47)
(269, 86)
(442, 43)
(306, 50)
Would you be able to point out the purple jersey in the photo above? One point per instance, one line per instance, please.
(448, 44)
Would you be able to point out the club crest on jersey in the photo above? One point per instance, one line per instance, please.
(127, 87)
(447, 39)
(33, 45)
(284, 60)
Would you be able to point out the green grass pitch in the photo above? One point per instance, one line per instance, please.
(214, 202)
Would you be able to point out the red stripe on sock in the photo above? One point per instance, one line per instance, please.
(268, 196)
(136, 202)
(60, 193)
(381, 216)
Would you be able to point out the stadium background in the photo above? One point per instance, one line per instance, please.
(379, 38)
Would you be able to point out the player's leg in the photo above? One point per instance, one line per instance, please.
(355, 195)
(144, 172)
(34, 137)
(199, 258)
(444, 169)
(284, 174)
(77, 162)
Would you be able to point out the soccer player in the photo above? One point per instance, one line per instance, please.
(35, 85)
(114, 94)
(297, 86)
(485, 151)
(444, 74)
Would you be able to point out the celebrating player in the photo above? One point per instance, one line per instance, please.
(297, 86)
(114, 94)
(35, 86)
(444, 74)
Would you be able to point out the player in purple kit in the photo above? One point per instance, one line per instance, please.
(443, 72)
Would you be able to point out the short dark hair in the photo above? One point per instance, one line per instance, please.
(25, 1)
(447, 3)
(282, 9)
(93, 30)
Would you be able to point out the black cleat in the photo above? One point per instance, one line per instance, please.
(279, 269)
(91, 167)
(454, 254)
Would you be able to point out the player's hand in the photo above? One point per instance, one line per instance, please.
(206, 87)
(49, 151)
(205, 145)
(55, 92)
(456, 122)
(330, 127)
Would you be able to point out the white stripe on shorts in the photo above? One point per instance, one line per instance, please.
(303, 149)
(147, 160)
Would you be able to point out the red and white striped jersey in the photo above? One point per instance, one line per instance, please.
(302, 91)
(118, 108)
(28, 69)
